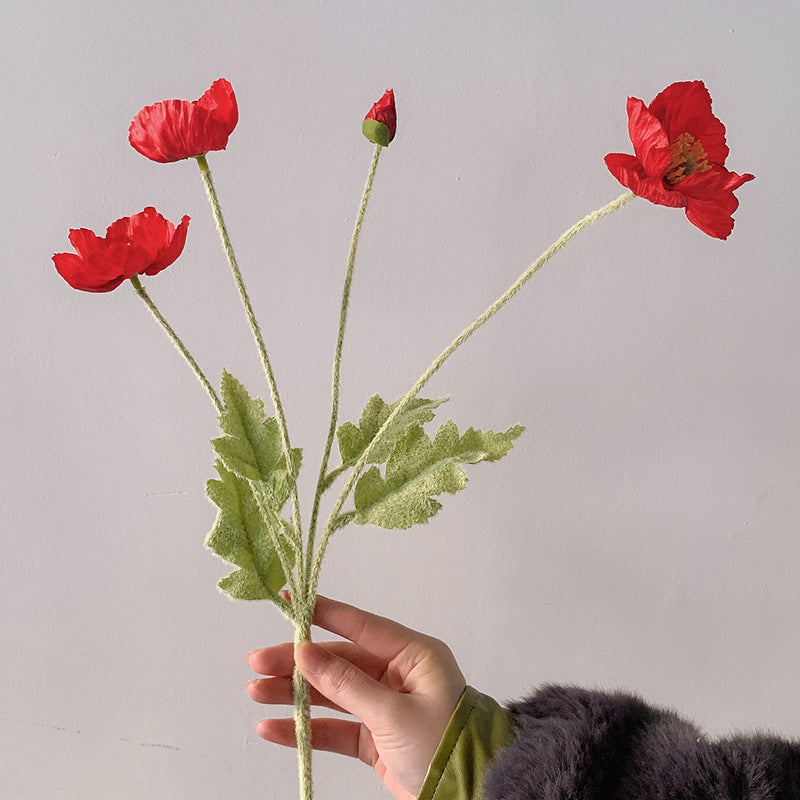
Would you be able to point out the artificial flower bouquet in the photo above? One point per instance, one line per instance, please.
(390, 470)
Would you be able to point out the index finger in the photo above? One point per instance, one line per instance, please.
(379, 635)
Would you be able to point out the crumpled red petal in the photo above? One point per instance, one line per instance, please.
(384, 111)
(679, 124)
(649, 139)
(173, 130)
(710, 201)
(156, 237)
(83, 240)
(220, 101)
(714, 216)
(144, 243)
(713, 182)
(172, 250)
(628, 170)
(99, 270)
(685, 107)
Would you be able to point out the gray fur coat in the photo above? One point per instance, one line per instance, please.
(574, 744)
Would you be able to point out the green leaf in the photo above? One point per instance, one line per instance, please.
(419, 469)
(251, 442)
(253, 488)
(243, 535)
(243, 584)
(278, 485)
(353, 440)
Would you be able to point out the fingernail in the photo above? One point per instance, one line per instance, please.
(310, 657)
(247, 657)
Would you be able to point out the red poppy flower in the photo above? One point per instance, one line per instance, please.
(380, 124)
(176, 129)
(680, 157)
(144, 243)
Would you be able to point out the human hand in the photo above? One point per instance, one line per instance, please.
(401, 685)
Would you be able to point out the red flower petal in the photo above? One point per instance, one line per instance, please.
(650, 142)
(713, 182)
(685, 107)
(176, 129)
(680, 152)
(710, 201)
(142, 243)
(99, 270)
(76, 272)
(84, 241)
(220, 101)
(629, 171)
(147, 229)
(383, 115)
(713, 216)
(171, 251)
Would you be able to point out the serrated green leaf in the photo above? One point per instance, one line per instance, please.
(254, 486)
(475, 445)
(251, 443)
(279, 485)
(353, 440)
(243, 584)
(418, 469)
(242, 535)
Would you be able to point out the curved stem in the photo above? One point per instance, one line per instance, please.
(337, 359)
(283, 606)
(333, 475)
(579, 226)
(179, 345)
(205, 172)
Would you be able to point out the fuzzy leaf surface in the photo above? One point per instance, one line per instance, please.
(243, 535)
(354, 439)
(253, 487)
(418, 469)
(251, 442)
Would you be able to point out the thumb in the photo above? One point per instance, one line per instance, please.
(342, 682)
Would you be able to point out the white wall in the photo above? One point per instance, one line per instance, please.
(643, 533)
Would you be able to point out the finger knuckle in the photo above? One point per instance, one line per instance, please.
(440, 651)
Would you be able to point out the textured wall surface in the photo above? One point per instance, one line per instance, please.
(643, 534)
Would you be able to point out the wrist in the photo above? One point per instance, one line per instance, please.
(478, 728)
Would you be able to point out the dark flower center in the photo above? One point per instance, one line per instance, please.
(687, 156)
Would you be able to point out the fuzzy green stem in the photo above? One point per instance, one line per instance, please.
(272, 523)
(333, 475)
(283, 606)
(205, 172)
(179, 345)
(579, 226)
(337, 359)
(302, 704)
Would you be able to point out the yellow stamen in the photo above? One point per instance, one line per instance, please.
(687, 156)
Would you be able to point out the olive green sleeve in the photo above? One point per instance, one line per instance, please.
(478, 728)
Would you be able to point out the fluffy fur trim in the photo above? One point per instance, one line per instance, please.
(574, 744)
